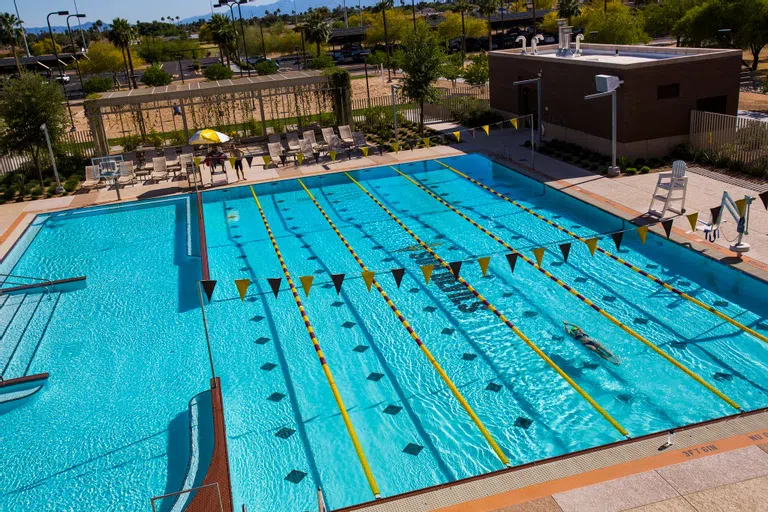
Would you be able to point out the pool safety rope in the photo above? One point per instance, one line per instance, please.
(443, 375)
(497, 313)
(326, 369)
(680, 366)
(627, 264)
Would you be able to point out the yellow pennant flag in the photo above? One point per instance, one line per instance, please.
(693, 218)
(332, 154)
(539, 253)
(709, 138)
(427, 271)
(364, 149)
(741, 205)
(368, 278)
(642, 232)
(514, 123)
(592, 244)
(306, 283)
(484, 262)
(266, 159)
(197, 161)
(486, 129)
(300, 158)
(426, 141)
(396, 146)
(242, 287)
(232, 162)
(458, 136)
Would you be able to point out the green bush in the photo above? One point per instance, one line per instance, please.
(156, 76)
(196, 65)
(51, 190)
(266, 67)
(473, 112)
(645, 169)
(36, 192)
(177, 138)
(71, 185)
(97, 84)
(477, 72)
(217, 71)
(321, 62)
(622, 162)
(630, 171)
(9, 193)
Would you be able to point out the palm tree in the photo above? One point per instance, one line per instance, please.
(463, 7)
(318, 30)
(10, 31)
(382, 6)
(487, 8)
(121, 35)
(568, 9)
(223, 34)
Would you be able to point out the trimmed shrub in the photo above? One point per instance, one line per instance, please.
(266, 67)
(321, 62)
(156, 76)
(97, 84)
(630, 171)
(645, 169)
(217, 71)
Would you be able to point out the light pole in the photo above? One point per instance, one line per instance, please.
(263, 46)
(224, 3)
(59, 188)
(82, 34)
(346, 21)
(242, 29)
(607, 85)
(537, 81)
(58, 62)
(23, 30)
(72, 39)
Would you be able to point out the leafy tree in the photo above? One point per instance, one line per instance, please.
(321, 62)
(318, 30)
(661, 18)
(156, 76)
(103, 57)
(620, 25)
(477, 72)
(568, 9)
(746, 19)
(452, 68)
(422, 60)
(222, 33)
(463, 7)
(382, 6)
(549, 23)
(25, 105)
(122, 35)
(43, 47)
(10, 31)
(453, 28)
(487, 8)
(217, 71)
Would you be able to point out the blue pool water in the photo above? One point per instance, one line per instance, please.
(126, 354)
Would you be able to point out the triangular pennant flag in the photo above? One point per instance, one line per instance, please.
(667, 224)
(472, 132)
(709, 138)
(274, 283)
(566, 250)
(337, 280)
(539, 253)
(512, 259)
(764, 198)
(368, 278)
(197, 160)
(396, 147)
(208, 287)
(332, 154)
(427, 271)
(232, 162)
(617, 237)
(455, 268)
(458, 136)
(242, 287)
(592, 244)
(486, 129)
(398, 274)
(266, 159)
(300, 158)
(249, 159)
(514, 123)
(484, 262)
(642, 232)
(741, 205)
(715, 212)
(426, 141)
(693, 219)
(306, 283)
(364, 149)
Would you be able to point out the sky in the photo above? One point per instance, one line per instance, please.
(34, 12)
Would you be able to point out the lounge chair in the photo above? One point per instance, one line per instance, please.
(309, 135)
(187, 150)
(670, 187)
(358, 138)
(327, 134)
(275, 152)
(92, 179)
(346, 136)
(294, 145)
(185, 164)
(171, 159)
(334, 144)
(308, 151)
(274, 137)
(159, 171)
(127, 176)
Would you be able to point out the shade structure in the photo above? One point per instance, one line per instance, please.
(208, 137)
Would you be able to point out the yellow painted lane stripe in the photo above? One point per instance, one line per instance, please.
(326, 369)
(498, 314)
(579, 296)
(443, 375)
(653, 278)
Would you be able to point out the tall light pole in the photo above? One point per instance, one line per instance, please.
(242, 29)
(607, 85)
(72, 39)
(346, 21)
(58, 62)
(79, 25)
(225, 3)
(23, 30)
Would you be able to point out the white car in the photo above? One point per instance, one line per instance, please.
(62, 79)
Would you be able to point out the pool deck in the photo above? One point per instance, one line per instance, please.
(721, 465)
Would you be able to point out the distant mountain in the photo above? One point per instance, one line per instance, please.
(60, 29)
(285, 6)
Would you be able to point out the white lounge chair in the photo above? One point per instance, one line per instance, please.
(670, 187)
(294, 145)
(127, 175)
(274, 137)
(358, 138)
(275, 152)
(309, 135)
(159, 171)
(308, 151)
(345, 134)
(327, 134)
(92, 179)
(171, 159)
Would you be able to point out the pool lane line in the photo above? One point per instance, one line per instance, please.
(319, 351)
(497, 313)
(680, 366)
(436, 365)
(627, 264)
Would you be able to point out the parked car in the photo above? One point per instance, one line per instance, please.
(61, 79)
(260, 59)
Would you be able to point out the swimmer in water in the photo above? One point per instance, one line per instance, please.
(575, 332)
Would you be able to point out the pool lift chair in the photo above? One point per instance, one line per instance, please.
(670, 188)
(740, 215)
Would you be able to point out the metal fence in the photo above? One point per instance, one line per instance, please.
(737, 138)
(78, 144)
(451, 104)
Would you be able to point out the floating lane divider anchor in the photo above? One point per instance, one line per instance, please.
(498, 314)
(443, 375)
(680, 366)
(326, 369)
(627, 264)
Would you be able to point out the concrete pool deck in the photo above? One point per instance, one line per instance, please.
(632, 476)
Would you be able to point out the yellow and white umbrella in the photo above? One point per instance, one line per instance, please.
(208, 137)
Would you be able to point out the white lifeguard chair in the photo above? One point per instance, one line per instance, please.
(670, 188)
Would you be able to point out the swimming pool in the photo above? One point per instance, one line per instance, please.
(127, 354)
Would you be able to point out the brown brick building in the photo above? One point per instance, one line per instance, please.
(662, 85)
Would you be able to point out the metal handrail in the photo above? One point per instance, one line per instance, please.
(25, 277)
(185, 491)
